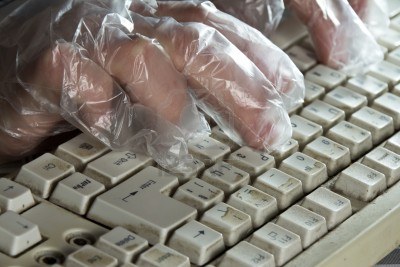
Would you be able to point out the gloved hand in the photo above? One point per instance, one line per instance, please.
(374, 14)
(123, 76)
(263, 15)
(341, 39)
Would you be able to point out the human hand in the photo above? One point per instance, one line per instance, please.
(374, 14)
(341, 39)
(122, 77)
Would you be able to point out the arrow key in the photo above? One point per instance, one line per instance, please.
(17, 233)
(197, 241)
(14, 196)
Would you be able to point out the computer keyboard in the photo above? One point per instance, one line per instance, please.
(329, 197)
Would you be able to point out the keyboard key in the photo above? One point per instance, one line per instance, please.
(163, 256)
(389, 104)
(301, 57)
(345, 99)
(309, 171)
(208, 150)
(368, 86)
(323, 114)
(384, 161)
(199, 194)
(393, 143)
(122, 244)
(251, 161)
(197, 241)
(184, 173)
(245, 254)
(333, 207)
(307, 224)
(384, 50)
(76, 193)
(325, 76)
(307, 43)
(285, 188)
(313, 92)
(218, 134)
(14, 197)
(295, 109)
(232, 223)
(377, 123)
(142, 205)
(285, 150)
(396, 89)
(304, 131)
(116, 166)
(394, 56)
(226, 177)
(358, 140)
(360, 182)
(41, 174)
(335, 156)
(278, 241)
(88, 256)
(395, 23)
(288, 32)
(17, 233)
(386, 71)
(80, 150)
(394, 8)
(391, 39)
(128, 264)
(260, 206)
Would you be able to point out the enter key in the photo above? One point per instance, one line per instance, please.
(142, 204)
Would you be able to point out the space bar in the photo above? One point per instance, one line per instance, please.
(362, 240)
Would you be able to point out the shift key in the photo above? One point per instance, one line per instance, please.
(142, 205)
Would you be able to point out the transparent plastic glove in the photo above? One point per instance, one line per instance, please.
(340, 38)
(81, 62)
(224, 81)
(122, 78)
(374, 14)
(263, 15)
(270, 60)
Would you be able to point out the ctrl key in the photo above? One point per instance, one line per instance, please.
(17, 233)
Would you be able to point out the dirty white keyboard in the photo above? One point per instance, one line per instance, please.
(329, 197)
